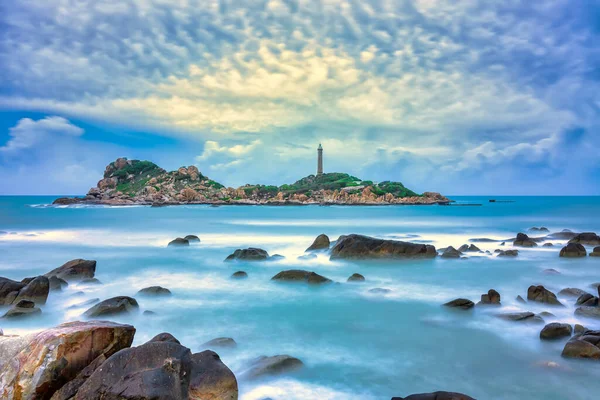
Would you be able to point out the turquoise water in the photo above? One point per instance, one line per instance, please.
(355, 344)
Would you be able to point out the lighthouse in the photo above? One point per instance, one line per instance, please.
(320, 160)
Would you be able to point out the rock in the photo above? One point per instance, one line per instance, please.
(113, 306)
(365, 247)
(155, 291)
(148, 313)
(298, 275)
(86, 303)
(239, 275)
(271, 366)
(164, 337)
(540, 229)
(520, 299)
(587, 299)
(503, 243)
(435, 396)
(22, 309)
(309, 256)
(546, 314)
(249, 254)
(542, 295)
(579, 329)
(276, 257)
(491, 298)
(380, 290)
(586, 345)
(219, 342)
(211, 378)
(465, 304)
(573, 250)
(451, 252)
(595, 252)
(154, 370)
(587, 311)
(356, 278)
(587, 238)
(508, 253)
(571, 292)
(90, 281)
(192, 238)
(35, 289)
(565, 234)
(468, 248)
(35, 366)
(74, 270)
(526, 316)
(523, 240)
(57, 283)
(178, 242)
(321, 243)
(551, 271)
(556, 330)
(548, 244)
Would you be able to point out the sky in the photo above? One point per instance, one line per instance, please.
(460, 97)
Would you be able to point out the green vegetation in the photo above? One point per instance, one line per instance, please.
(331, 181)
(262, 190)
(214, 184)
(395, 188)
(137, 168)
(132, 187)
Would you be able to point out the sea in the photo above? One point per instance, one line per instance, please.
(355, 344)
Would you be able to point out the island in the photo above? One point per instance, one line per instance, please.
(135, 182)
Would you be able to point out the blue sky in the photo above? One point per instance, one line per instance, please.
(461, 97)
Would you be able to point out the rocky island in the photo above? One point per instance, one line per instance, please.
(135, 182)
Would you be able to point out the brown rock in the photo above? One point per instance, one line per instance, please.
(297, 275)
(320, 243)
(211, 379)
(74, 270)
(542, 295)
(586, 345)
(113, 306)
(587, 238)
(270, 366)
(573, 250)
(365, 247)
(556, 330)
(465, 304)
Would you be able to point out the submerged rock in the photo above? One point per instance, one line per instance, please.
(469, 248)
(587, 238)
(113, 306)
(84, 304)
(520, 299)
(451, 252)
(179, 242)
(298, 275)
(249, 254)
(549, 244)
(587, 311)
(74, 270)
(239, 275)
(436, 396)
(356, 278)
(508, 253)
(271, 366)
(542, 295)
(223, 342)
(491, 298)
(540, 229)
(526, 316)
(595, 252)
(585, 345)
(155, 291)
(24, 308)
(192, 238)
(556, 330)
(551, 271)
(587, 299)
(320, 243)
(90, 281)
(164, 337)
(573, 250)
(565, 234)
(465, 304)
(523, 240)
(571, 292)
(57, 283)
(365, 247)
(380, 290)
(309, 256)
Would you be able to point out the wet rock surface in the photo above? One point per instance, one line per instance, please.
(301, 276)
(464, 304)
(249, 254)
(320, 243)
(74, 270)
(556, 330)
(113, 306)
(271, 366)
(365, 247)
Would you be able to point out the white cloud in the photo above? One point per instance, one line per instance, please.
(29, 133)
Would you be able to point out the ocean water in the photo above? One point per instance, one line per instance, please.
(355, 344)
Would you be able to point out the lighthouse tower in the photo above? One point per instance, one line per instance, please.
(320, 160)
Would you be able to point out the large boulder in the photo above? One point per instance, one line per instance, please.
(587, 238)
(542, 295)
(365, 247)
(270, 366)
(492, 297)
(211, 379)
(435, 396)
(74, 270)
(586, 345)
(113, 306)
(523, 240)
(37, 365)
(321, 243)
(573, 250)
(465, 304)
(302, 276)
(35, 290)
(556, 330)
(249, 254)
(587, 299)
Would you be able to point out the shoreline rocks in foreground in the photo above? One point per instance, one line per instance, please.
(358, 247)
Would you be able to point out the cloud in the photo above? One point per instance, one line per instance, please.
(29, 133)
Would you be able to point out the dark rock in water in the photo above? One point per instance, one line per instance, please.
(556, 330)
(57, 283)
(579, 329)
(74, 270)
(35, 289)
(589, 312)
(520, 299)
(192, 238)
(239, 275)
(309, 256)
(523, 240)
(276, 257)
(451, 252)
(23, 308)
(542, 295)
(356, 278)
(587, 238)
(65, 201)
(491, 298)
(113, 306)
(164, 337)
(298, 275)
(321, 243)
(58, 356)
(154, 370)
(86, 303)
(548, 244)
(380, 290)
(573, 250)
(595, 252)
(546, 314)
(436, 395)
(271, 366)
(587, 299)
(249, 254)
(468, 248)
(211, 378)
(526, 316)
(540, 229)
(365, 247)
(571, 292)
(585, 345)
(148, 312)
(178, 242)
(155, 291)
(90, 281)
(508, 253)
(502, 244)
(565, 234)
(223, 342)
(465, 304)
(551, 271)
(25, 304)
